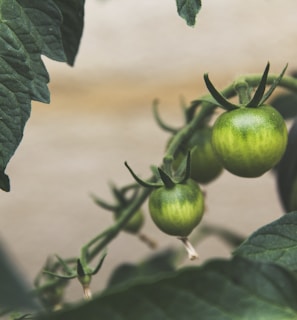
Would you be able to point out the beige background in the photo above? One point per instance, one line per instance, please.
(132, 52)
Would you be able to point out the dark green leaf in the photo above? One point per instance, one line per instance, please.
(72, 27)
(14, 293)
(159, 263)
(188, 9)
(225, 290)
(28, 29)
(286, 172)
(230, 237)
(275, 242)
(286, 105)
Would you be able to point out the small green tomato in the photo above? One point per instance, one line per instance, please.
(177, 210)
(135, 223)
(205, 166)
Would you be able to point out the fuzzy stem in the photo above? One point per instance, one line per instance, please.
(192, 254)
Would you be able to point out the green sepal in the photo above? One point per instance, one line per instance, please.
(60, 276)
(101, 203)
(188, 168)
(118, 194)
(219, 98)
(100, 263)
(273, 86)
(69, 273)
(158, 119)
(257, 98)
(79, 269)
(168, 182)
(143, 183)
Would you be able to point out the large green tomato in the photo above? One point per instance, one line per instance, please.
(249, 141)
(177, 210)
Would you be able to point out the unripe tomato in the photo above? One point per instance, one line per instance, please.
(177, 210)
(249, 141)
(135, 223)
(205, 166)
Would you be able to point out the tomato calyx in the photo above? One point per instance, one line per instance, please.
(258, 98)
(82, 271)
(162, 177)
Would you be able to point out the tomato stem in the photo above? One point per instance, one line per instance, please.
(243, 91)
(192, 253)
(87, 292)
(147, 240)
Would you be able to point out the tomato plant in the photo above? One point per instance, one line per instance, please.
(248, 138)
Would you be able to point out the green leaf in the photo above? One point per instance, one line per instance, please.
(286, 172)
(188, 10)
(14, 293)
(72, 27)
(29, 29)
(286, 105)
(275, 242)
(225, 290)
(156, 264)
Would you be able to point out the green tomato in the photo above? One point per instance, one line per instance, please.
(249, 141)
(205, 166)
(177, 210)
(135, 223)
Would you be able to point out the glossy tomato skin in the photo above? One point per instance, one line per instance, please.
(249, 141)
(177, 210)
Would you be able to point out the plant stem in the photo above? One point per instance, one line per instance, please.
(110, 233)
(192, 254)
(243, 91)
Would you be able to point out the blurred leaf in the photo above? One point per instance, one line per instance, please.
(231, 238)
(286, 172)
(286, 105)
(29, 29)
(158, 263)
(225, 290)
(72, 26)
(188, 10)
(14, 293)
(275, 242)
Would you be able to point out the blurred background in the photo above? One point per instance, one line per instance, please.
(100, 116)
